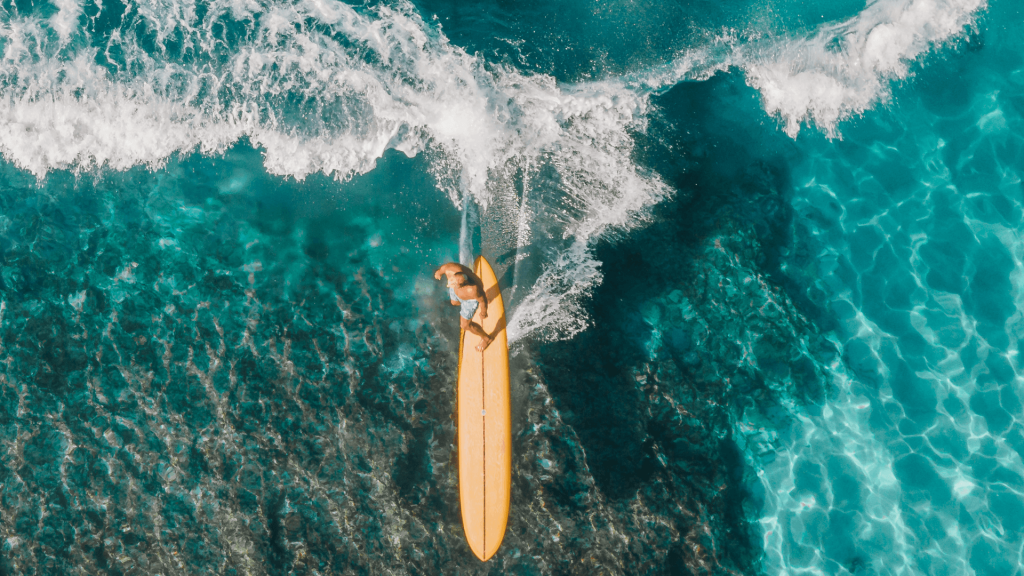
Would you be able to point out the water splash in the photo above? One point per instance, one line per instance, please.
(844, 69)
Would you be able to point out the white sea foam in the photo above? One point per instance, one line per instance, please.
(836, 71)
(325, 87)
(845, 69)
(65, 20)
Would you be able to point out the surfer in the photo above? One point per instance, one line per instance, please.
(466, 290)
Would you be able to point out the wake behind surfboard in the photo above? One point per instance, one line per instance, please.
(485, 431)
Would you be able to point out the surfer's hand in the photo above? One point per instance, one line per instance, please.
(437, 274)
(483, 312)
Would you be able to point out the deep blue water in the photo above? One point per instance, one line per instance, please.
(763, 262)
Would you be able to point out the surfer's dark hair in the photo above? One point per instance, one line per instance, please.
(461, 275)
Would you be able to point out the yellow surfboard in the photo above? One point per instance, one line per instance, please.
(485, 425)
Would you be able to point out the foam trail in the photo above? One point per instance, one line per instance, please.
(523, 248)
(470, 224)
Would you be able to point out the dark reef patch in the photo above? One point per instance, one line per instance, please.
(693, 331)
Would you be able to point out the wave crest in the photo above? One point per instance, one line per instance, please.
(843, 70)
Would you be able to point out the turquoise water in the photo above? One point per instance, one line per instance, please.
(762, 261)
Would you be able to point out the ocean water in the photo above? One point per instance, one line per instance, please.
(763, 263)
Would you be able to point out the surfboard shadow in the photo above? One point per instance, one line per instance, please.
(492, 294)
(500, 324)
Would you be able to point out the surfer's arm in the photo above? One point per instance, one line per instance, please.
(482, 299)
(445, 268)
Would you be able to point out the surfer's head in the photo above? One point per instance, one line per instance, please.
(456, 279)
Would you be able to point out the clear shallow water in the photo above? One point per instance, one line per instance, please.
(763, 266)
